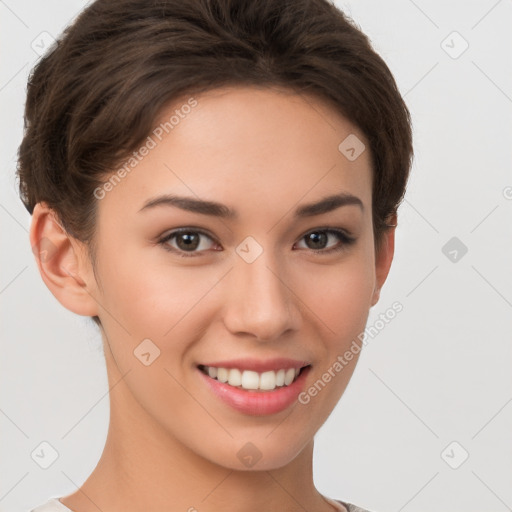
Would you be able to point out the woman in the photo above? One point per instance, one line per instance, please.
(216, 184)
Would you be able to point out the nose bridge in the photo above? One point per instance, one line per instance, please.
(260, 302)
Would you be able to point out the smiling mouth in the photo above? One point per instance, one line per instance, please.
(253, 381)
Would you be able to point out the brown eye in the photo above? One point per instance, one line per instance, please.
(317, 240)
(187, 241)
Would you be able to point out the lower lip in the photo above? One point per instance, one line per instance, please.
(257, 403)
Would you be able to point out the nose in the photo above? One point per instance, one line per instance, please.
(261, 302)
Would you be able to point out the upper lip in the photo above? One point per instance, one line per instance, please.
(258, 365)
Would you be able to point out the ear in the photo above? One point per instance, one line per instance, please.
(383, 258)
(62, 262)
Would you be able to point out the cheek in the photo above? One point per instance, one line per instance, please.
(340, 296)
(148, 289)
(157, 300)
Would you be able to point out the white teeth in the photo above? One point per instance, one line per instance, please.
(289, 376)
(268, 380)
(252, 380)
(222, 374)
(235, 377)
(280, 377)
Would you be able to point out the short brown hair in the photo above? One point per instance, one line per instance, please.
(93, 98)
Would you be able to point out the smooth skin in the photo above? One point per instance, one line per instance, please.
(171, 444)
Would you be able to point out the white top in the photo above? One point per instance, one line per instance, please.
(54, 505)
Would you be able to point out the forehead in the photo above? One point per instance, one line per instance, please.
(235, 144)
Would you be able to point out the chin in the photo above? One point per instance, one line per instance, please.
(257, 455)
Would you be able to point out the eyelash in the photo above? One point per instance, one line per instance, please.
(345, 239)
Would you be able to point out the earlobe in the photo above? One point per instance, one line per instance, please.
(384, 258)
(60, 265)
(376, 296)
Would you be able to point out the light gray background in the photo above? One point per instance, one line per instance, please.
(439, 372)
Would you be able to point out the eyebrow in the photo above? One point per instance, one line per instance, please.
(215, 209)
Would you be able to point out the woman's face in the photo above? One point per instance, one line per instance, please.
(268, 282)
